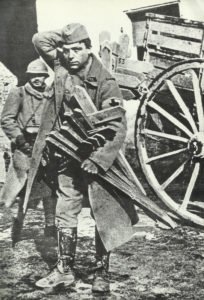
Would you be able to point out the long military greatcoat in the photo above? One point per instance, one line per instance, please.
(23, 105)
(115, 226)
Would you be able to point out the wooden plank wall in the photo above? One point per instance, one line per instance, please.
(168, 40)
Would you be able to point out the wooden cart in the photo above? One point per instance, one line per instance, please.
(169, 128)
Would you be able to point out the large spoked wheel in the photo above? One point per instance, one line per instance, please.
(170, 139)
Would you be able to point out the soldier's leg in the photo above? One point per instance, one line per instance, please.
(49, 205)
(101, 278)
(69, 205)
(41, 190)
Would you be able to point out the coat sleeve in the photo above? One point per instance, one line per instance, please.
(10, 112)
(105, 156)
(46, 44)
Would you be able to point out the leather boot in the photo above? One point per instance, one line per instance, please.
(101, 278)
(62, 273)
(50, 231)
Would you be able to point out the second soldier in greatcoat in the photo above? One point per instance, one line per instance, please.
(20, 120)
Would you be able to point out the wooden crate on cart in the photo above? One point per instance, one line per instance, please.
(168, 40)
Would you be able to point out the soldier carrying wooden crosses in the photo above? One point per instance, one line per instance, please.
(68, 51)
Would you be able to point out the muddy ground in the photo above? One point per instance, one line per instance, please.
(155, 264)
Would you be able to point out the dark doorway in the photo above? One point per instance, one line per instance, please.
(18, 23)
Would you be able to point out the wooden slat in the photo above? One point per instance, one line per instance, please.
(134, 65)
(76, 123)
(175, 20)
(140, 76)
(174, 44)
(138, 32)
(106, 115)
(177, 30)
(162, 61)
(57, 137)
(126, 80)
(127, 94)
(64, 148)
(81, 97)
(71, 132)
(167, 52)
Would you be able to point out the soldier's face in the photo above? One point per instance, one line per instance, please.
(76, 56)
(37, 81)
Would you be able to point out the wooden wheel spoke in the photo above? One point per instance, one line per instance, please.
(165, 135)
(169, 133)
(198, 100)
(169, 117)
(190, 187)
(168, 154)
(182, 105)
(197, 204)
(173, 176)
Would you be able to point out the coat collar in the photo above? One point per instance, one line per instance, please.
(94, 73)
(46, 93)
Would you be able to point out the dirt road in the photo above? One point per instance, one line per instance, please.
(156, 264)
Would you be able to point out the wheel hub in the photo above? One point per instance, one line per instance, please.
(196, 145)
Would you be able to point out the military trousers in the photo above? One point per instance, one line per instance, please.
(72, 188)
(71, 195)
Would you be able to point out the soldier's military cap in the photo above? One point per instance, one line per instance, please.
(73, 33)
